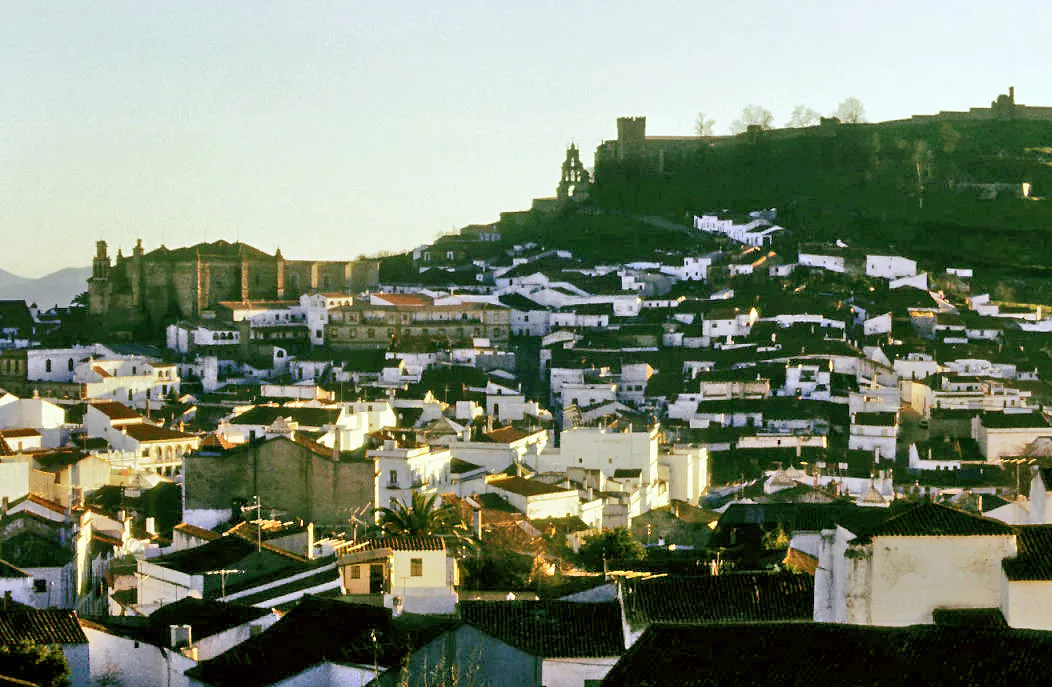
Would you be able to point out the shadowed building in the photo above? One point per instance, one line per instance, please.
(172, 284)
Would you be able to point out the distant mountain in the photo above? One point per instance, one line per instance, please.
(57, 288)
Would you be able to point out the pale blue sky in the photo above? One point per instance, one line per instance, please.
(340, 128)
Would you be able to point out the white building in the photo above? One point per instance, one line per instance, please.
(874, 432)
(890, 266)
(899, 572)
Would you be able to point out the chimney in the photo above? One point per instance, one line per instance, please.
(180, 636)
(310, 540)
(151, 526)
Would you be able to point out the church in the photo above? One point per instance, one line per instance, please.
(165, 285)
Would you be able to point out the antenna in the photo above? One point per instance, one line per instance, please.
(223, 572)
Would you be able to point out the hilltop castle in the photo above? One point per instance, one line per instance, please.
(165, 285)
(655, 153)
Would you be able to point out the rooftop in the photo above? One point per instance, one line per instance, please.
(935, 520)
(825, 654)
(721, 598)
(550, 629)
(115, 411)
(526, 487)
(51, 626)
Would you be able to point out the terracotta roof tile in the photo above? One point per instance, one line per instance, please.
(506, 435)
(52, 626)
(407, 543)
(550, 629)
(115, 411)
(934, 520)
(1033, 560)
(145, 433)
(720, 598)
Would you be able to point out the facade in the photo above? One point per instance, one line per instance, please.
(412, 574)
(149, 288)
(373, 326)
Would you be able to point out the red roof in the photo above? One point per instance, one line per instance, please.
(17, 433)
(506, 435)
(101, 372)
(116, 411)
(403, 299)
(144, 432)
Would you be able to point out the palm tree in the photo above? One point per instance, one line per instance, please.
(421, 518)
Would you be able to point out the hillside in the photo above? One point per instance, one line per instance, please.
(942, 191)
(57, 288)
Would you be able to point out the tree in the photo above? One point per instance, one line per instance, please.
(37, 663)
(616, 544)
(851, 111)
(752, 115)
(803, 116)
(420, 518)
(703, 126)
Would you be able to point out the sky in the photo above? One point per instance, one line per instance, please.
(334, 129)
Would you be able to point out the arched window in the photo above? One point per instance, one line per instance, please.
(69, 365)
(47, 365)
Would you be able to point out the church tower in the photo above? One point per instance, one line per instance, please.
(98, 285)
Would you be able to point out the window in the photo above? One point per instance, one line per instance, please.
(47, 365)
(39, 586)
(317, 334)
(416, 567)
(69, 365)
(356, 572)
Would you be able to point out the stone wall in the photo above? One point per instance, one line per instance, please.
(287, 477)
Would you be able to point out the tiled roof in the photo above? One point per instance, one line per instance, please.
(935, 520)
(51, 626)
(306, 417)
(195, 531)
(506, 435)
(550, 629)
(115, 411)
(43, 502)
(526, 487)
(315, 631)
(809, 654)
(721, 598)
(18, 433)
(407, 543)
(1034, 554)
(146, 433)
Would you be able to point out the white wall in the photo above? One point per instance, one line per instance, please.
(572, 672)
(912, 576)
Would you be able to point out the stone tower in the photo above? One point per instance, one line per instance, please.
(100, 277)
(631, 137)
